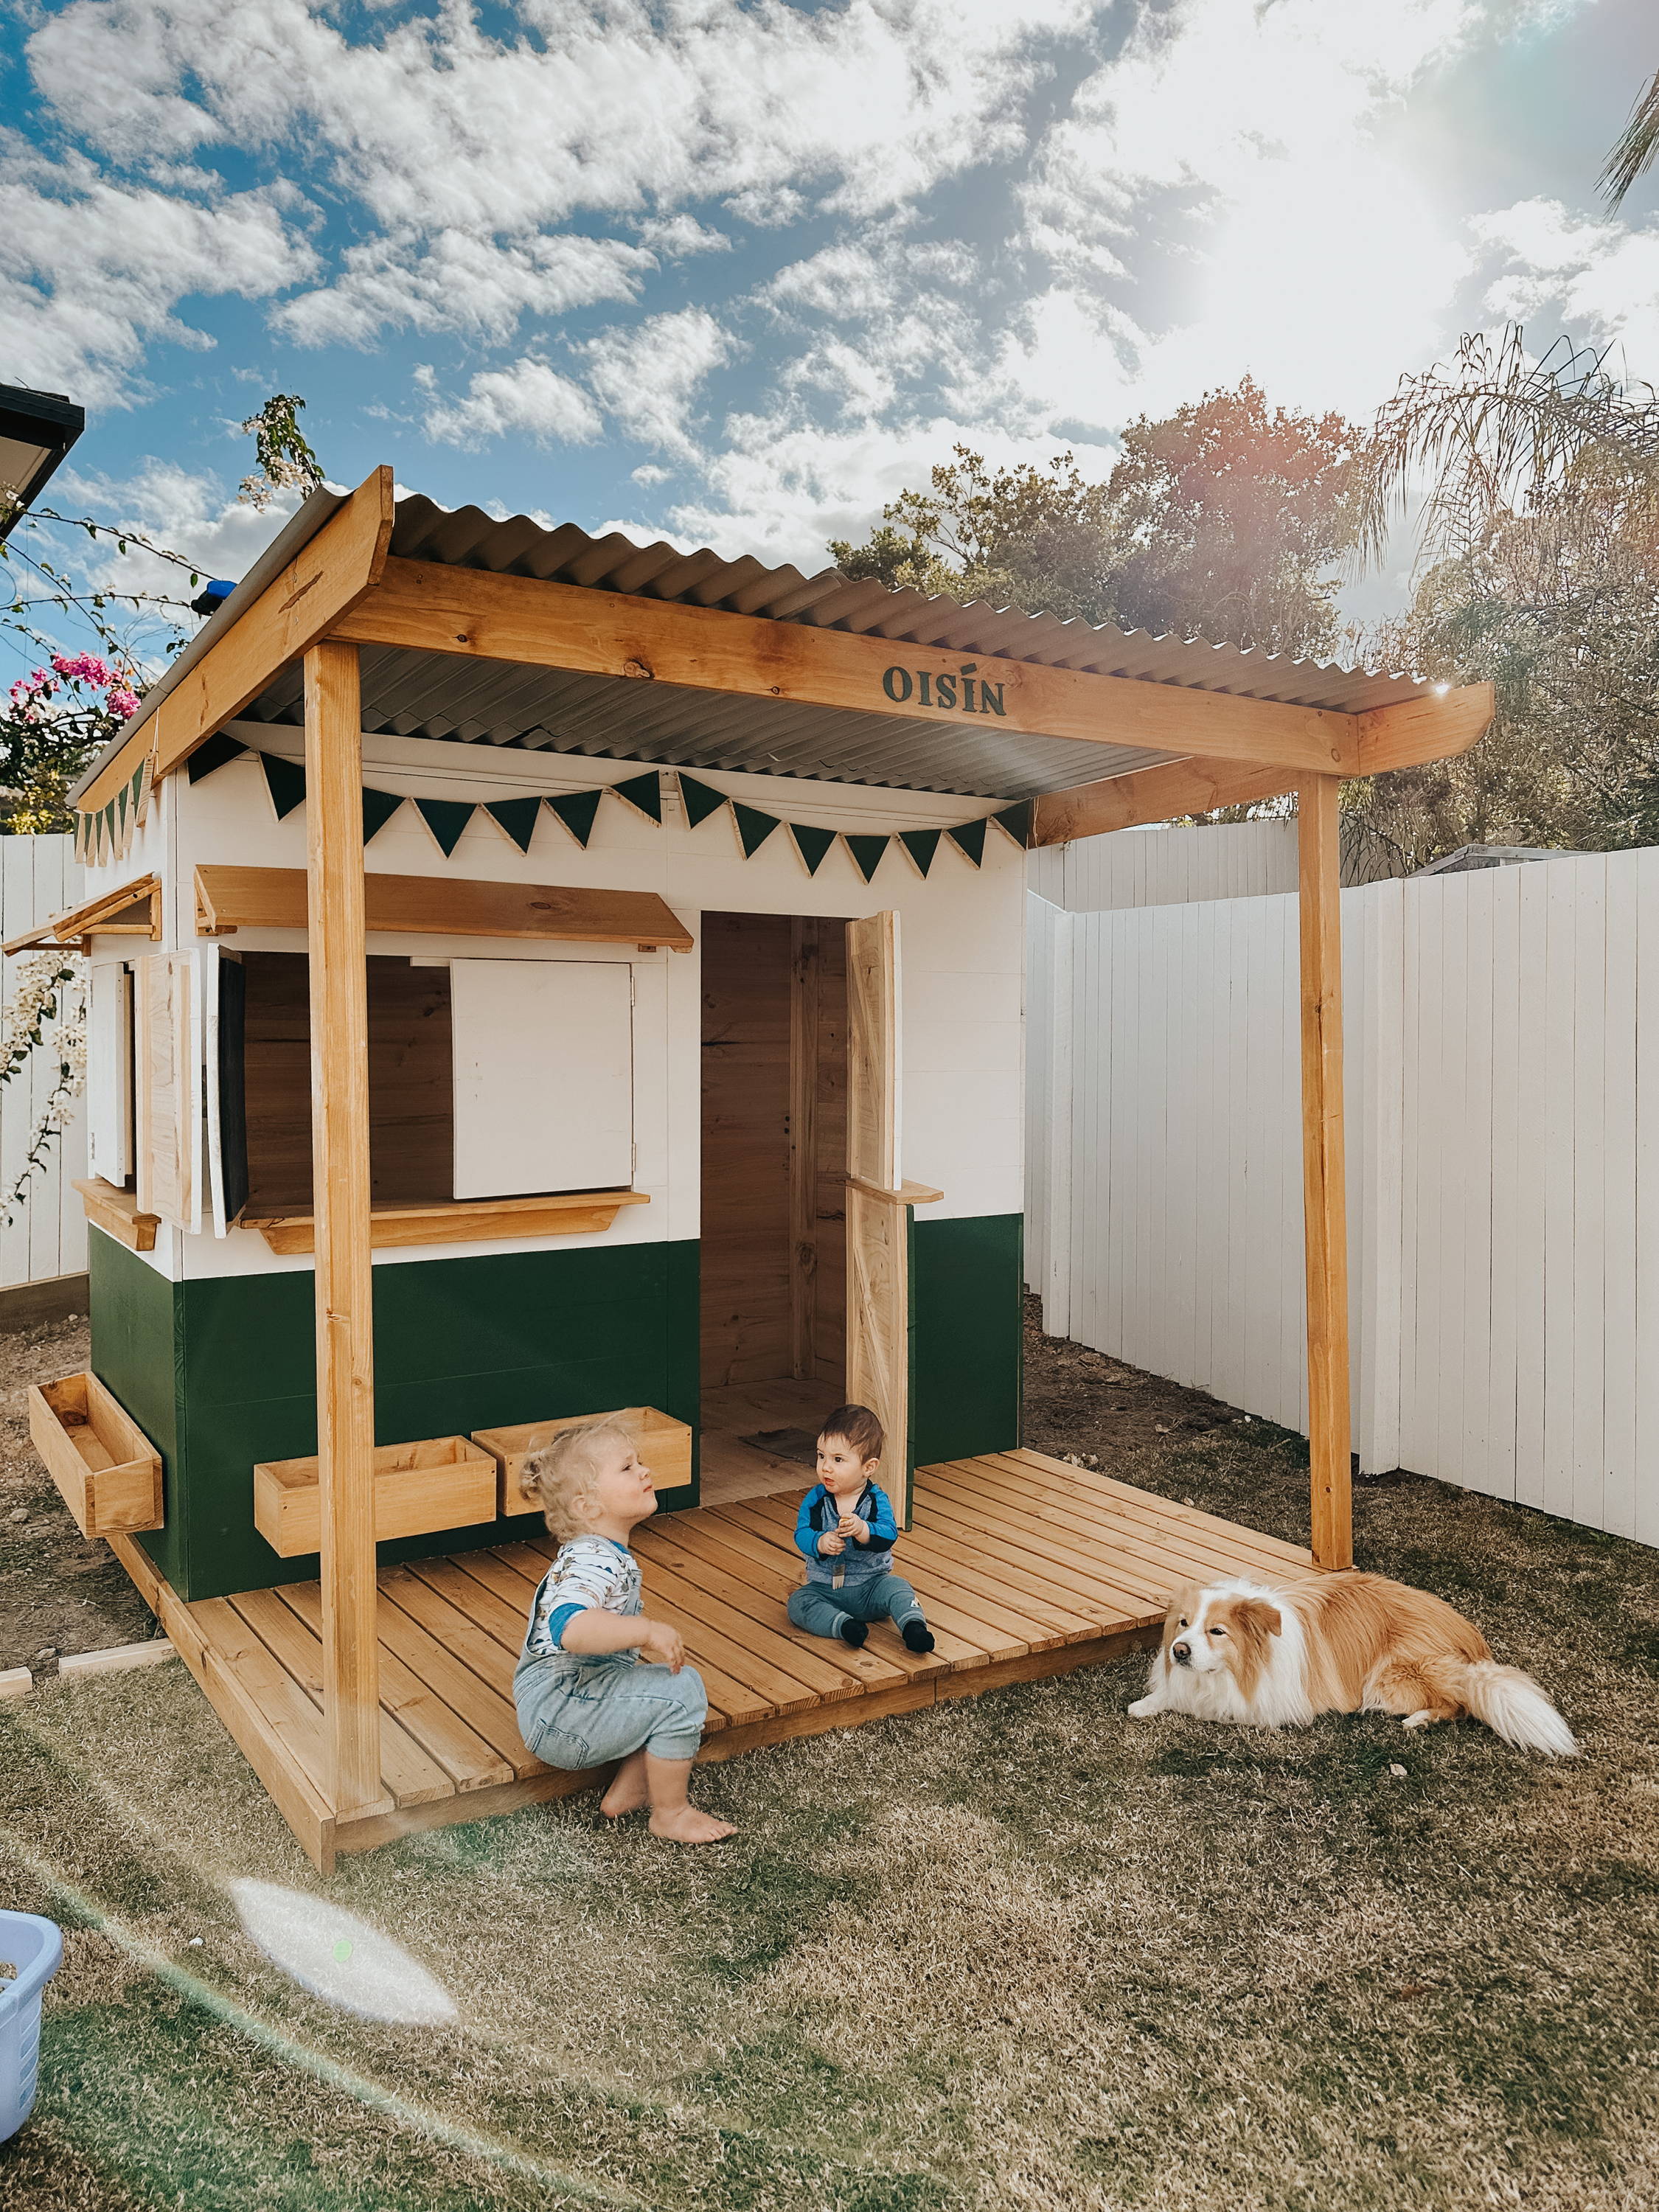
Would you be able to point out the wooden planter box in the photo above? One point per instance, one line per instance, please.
(443, 1482)
(107, 1467)
(665, 1445)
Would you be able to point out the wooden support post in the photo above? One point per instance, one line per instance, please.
(1323, 1192)
(339, 1127)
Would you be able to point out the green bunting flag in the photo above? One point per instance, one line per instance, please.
(446, 819)
(379, 807)
(285, 782)
(214, 754)
(644, 791)
(1017, 821)
(517, 816)
(920, 845)
(576, 810)
(811, 844)
(700, 799)
(754, 827)
(866, 851)
(969, 836)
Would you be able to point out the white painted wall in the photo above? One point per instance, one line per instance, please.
(1503, 1119)
(38, 877)
(961, 950)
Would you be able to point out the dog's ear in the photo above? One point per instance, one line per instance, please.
(1265, 1616)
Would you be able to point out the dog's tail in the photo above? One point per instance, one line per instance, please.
(1512, 1705)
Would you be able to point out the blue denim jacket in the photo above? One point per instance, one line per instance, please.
(857, 1562)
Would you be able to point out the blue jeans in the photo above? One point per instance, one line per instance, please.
(580, 1712)
(820, 1609)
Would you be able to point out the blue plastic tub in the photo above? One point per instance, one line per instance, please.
(35, 1948)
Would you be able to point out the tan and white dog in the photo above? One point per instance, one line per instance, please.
(1278, 1655)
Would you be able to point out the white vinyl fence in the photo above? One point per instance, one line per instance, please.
(1163, 866)
(38, 877)
(1503, 1119)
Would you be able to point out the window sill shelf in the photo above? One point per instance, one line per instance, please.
(461, 1220)
(116, 1213)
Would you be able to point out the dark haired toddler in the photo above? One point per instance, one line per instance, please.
(845, 1532)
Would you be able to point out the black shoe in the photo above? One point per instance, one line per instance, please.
(854, 1631)
(918, 1637)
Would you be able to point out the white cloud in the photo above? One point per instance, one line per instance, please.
(529, 397)
(604, 103)
(677, 236)
(647, 376)
(92, 270)
(457, 281)
(1301, 241)
(1601, 279)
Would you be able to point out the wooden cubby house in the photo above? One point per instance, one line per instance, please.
(534, 975)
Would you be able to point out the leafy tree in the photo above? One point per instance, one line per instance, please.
(1637, 148)
(1226, 519)
(1538, 571)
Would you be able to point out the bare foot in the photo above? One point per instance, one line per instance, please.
(685, 1825)
(627, 1792)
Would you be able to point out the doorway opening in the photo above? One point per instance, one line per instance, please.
(774, 1263)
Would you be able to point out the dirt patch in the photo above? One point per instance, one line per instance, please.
(1082, 1402)
(57, 1592)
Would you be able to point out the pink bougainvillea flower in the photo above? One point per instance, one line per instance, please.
(83, 667)
(123, 702)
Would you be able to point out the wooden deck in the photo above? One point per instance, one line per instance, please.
(1026, 1566)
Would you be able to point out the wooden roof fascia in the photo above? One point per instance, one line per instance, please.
(1406, 735)
(1415, 731)
(325, 580)
(230, 898)
(105, 915)
(428, 606)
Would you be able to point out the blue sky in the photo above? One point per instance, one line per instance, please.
(735, 274)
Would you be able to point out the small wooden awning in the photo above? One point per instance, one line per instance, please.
(134, 910)
(228, 899)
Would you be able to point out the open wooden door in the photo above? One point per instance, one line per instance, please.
(877, 1213)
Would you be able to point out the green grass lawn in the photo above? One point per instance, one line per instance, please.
(1016, 1952)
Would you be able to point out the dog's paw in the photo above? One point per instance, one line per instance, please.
(1144, 1708)
(1418, 1720)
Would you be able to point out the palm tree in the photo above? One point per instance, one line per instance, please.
(1636, 150)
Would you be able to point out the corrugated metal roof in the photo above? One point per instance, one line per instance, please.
(506, 703)
(467, 537)
(422, 694)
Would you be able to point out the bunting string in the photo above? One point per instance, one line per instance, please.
(106, 833)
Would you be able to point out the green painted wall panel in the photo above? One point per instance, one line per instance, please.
(966, 1335)
(459, 1344)
(137, 1353)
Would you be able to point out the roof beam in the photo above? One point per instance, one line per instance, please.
(1197, 785)
(425, 606)
(325, 578)
(1438, 727)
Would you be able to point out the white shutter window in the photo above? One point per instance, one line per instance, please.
(109, 1072)
(544, 1075)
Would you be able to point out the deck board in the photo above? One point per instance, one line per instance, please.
(1026, 1566)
